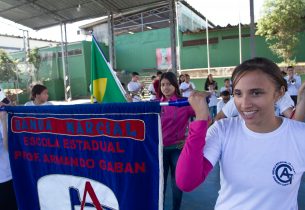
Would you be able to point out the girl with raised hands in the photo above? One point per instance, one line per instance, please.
(261, 155)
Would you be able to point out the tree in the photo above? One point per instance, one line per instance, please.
(34, 58)
(8, 67)
(280, 25)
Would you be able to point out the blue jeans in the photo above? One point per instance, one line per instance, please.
(213, 111)
(170, 159)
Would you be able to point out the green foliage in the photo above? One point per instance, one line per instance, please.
(281, 24)
(8, 67)
(34, 58)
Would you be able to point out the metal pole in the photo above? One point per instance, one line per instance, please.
(240, 47)
(172, 5)
(178, 40)
(252, 30)
(111, 40)
(142, 24)
(65, 73)
(239, 34)
(208, 48)
(68, 84)
(27, 43)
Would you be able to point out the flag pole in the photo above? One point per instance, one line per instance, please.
(113, 73)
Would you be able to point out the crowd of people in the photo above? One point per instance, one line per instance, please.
(259, 103)
(259, 145)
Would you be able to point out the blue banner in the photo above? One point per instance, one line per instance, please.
(86, 157)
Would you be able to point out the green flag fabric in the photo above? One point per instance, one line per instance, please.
(105, 86)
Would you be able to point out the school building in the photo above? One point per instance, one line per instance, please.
(142, 43)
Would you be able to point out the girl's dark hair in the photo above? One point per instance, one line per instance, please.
(207, 83)
(180, 81)
(262, 64)
(172, 78)
(36, 90)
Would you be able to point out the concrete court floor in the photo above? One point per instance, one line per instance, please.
(204, 197)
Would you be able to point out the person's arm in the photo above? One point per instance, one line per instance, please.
(190, 87)
(192, 167)
(220, 115)
(3, 120)
(289, 112)
(298, 81)
(183, 88)
(219, 106)
(133, 90)
(285, 105)
(300, 107)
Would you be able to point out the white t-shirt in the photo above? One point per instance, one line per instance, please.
(134, 87)
(5, 169)
(213, 100)
(229, 109)
(281, 105)
(257, 171)
(31, 103)
(152, 92)
(294, 88)
(220, 105)
(184, 86)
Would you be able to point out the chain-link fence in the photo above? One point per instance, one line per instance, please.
(16, 80)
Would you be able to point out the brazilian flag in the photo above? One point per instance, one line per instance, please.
(105, 86)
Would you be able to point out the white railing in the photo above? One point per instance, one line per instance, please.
(204, 72)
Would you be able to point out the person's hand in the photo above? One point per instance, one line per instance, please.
(301, 92)
(3, 120)
(3, 116)
(198, 102)
(300, 107)
(181, 145)
(128, 97)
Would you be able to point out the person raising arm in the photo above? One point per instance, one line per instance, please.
(261, 155)
(300, 107)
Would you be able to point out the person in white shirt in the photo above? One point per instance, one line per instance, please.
(261, 155)
(284, 107)
(299, 113)
(135, 87)
(7, 194)
(227, 86)
(151, 89)
(212, 102)
(187, 86)
(294, 82)
(225, 97)
(39, 96)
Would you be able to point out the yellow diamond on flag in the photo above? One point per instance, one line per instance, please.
(99, 88)
(105, 87)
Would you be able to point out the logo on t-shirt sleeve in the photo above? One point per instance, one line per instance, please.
(283, 173)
